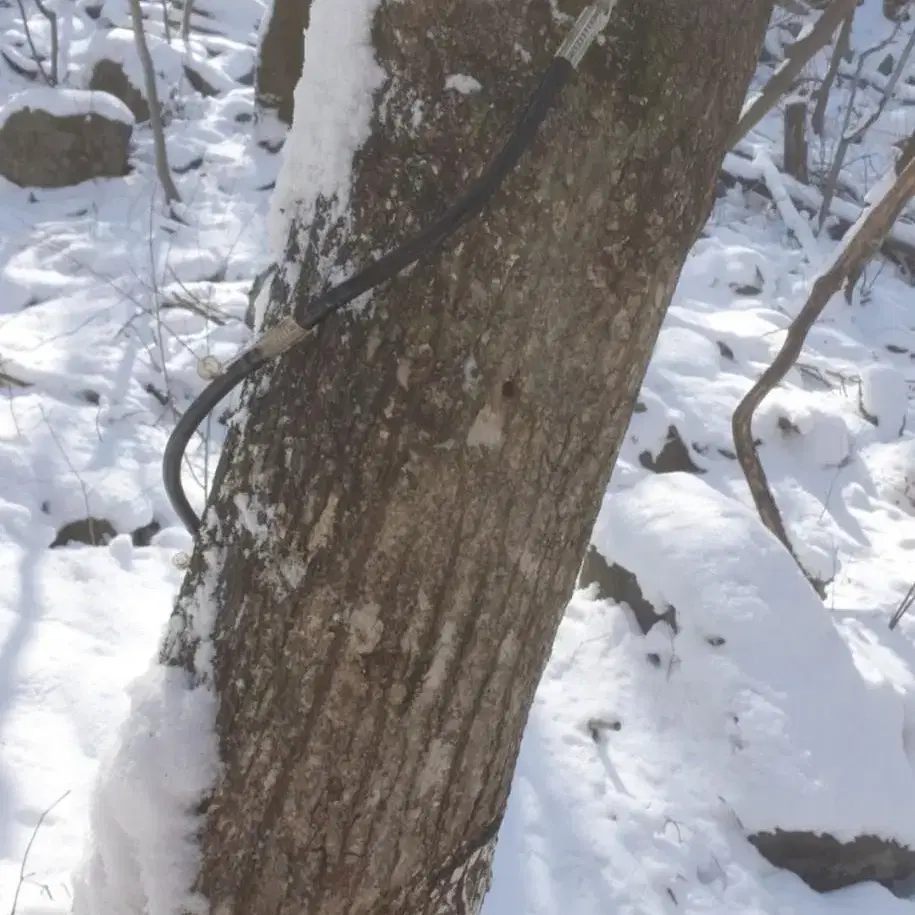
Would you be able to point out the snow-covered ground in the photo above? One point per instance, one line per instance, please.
(646, 760)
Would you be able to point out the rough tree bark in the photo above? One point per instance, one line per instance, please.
(428, 471)
(279, 56)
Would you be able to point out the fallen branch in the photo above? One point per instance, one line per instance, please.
(10, 380)
(856, 248)
(798, 55)
(790, 216)
(899, 244)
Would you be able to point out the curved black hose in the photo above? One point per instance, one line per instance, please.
(456, 215)
(193, 416)
(311, 312)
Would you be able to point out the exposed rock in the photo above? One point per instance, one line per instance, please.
(100, 531)
(199, 82)
(883, 398)
(78, 137)
(725, 350)
(826, 864)
(91, 531)
(616, 583)
(109, 76)
(896, 10)
(143, 536)
(674, 457)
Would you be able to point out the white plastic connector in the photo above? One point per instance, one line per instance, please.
(284, 335)
(209, 367)
(590, 23)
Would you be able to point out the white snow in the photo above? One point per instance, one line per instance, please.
(786, 743)
(885, 397)
(143, 842)
(119, 46)
(333, 111)
(66, 103)
(639, 777)
(463, 83)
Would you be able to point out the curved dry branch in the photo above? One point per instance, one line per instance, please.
(856, 249)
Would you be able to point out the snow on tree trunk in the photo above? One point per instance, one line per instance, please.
(279, 56)
(397, 524)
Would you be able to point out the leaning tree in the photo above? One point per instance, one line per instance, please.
(398, 520)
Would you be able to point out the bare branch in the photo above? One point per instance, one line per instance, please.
(166, 25)
(51, 16)
(186, 20)
(28, 37)
(797, 57)
(858, 246)
(155, 112)
(843, 45)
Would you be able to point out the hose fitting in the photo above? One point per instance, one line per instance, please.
(590, 23)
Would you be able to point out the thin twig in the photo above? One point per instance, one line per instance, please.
(51, 16)
(843, 44)
(25, 858)
(850, 137)
(903, 607)
(30, 40)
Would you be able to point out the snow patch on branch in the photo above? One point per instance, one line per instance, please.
(334, 104)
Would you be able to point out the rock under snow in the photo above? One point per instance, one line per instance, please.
(792, 747)
(884, 398)
(111, 64)
(109, 76)
(61, 137)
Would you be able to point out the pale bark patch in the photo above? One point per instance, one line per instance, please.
(366, 628)
(486, 431)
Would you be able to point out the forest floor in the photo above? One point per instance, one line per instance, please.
(646, 762)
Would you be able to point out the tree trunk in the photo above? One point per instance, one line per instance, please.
(279, 56)
(795, 141)
(397, 526)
